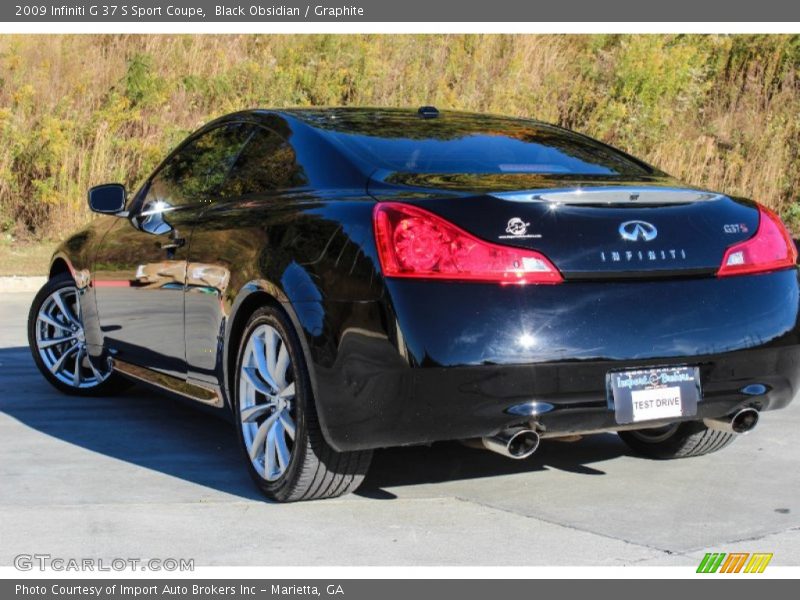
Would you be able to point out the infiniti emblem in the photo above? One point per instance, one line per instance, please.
(638, 230)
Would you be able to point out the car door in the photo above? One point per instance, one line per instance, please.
(232, 233)
(140, 268)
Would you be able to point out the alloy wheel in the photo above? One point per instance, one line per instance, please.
(267, 407)
(61, 341)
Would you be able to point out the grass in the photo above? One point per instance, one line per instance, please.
(25, 258)
(721, 111)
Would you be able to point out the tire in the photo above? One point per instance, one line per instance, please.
(55, 314)
(276, 418)
(681, 440)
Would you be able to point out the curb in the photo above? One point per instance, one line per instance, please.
(21, 284)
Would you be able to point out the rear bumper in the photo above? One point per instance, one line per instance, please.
(414, 406)
(442, 361)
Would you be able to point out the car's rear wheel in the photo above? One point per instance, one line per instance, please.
(58, 343)
(277, 421)
(679, 440)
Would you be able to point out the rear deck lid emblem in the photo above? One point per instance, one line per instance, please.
(635, 231)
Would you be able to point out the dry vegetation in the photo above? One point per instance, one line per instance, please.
(721, 111)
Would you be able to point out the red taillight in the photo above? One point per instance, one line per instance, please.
(770, 249)
(414, 243)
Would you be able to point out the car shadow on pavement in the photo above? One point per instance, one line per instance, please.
(138, 426)
(159, 433)
(451, 461)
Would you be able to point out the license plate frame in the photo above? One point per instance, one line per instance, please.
(654, 394)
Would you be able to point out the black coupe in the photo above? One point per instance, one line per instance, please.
(340, 280)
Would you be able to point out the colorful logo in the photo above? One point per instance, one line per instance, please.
(735, 562)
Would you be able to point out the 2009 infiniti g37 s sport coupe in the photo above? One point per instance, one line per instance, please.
(341, 280)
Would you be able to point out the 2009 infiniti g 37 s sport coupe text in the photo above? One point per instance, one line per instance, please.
(340, 280)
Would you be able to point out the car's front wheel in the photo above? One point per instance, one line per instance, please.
(277, 421)
(58, 342)
(679, 440)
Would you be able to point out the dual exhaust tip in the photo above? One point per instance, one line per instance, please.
(739, 422)
(516, 443)
(521, 442)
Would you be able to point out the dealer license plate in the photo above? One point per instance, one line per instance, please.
(654, 394)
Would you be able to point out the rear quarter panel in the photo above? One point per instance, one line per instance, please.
(308, 252)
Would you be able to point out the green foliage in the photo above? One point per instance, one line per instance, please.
(718, 111)
(142, 87)
(791, 215)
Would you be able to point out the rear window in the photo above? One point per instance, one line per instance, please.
(524, 150)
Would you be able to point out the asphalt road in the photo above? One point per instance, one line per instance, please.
(143, 476)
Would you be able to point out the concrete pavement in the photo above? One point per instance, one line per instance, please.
(14, 284)
(140, 475)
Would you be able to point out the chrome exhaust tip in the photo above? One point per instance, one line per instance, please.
(516, 443)
(745, 420)
(739, 422)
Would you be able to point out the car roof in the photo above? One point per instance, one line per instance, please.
(326, 125)
(410, 122)
(419, 122)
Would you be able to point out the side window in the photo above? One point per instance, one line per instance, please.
(196, 171)
(266, 163)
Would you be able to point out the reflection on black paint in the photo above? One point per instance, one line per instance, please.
(267, 163)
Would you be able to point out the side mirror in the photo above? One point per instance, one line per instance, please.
(108, 199)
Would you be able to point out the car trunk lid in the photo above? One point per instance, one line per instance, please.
(604, 231)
